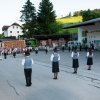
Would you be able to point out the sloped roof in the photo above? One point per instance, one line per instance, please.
(86, 23)
(4, 28)
(16, 24)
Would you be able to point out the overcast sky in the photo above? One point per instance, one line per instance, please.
(10, 9)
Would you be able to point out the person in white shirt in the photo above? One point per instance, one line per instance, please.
(55, 58)
(89, 59)
(75, 62)
(27, 62)
(5, 53)
(36, 50)
(14, 52)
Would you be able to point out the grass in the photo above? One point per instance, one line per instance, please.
(66, 20)
(73, 30)
(70, 20)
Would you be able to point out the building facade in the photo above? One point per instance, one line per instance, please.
(88, 32)
(12, 30)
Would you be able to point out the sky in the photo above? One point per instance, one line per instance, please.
(10, 9)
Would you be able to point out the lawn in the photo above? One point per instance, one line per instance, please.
(66, 20)
(70, 20)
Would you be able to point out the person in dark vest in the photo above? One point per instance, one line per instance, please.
(69, 48)
(75, 62)
(63, 48)
(92, 46)
(73, 47)
(89, 58)
(36, 50)
(55, 58)
(5, 53)
(14, 52)
(80, 47)
(86, 47)
(46, 49)
(27, 63)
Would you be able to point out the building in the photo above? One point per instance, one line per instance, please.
(88, 32)
(11, 43)
(12, 30)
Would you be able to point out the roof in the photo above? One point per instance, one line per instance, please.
(86, 23)
(16, 24)
(4, 28)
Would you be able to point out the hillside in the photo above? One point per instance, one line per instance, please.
(66, 20)
(70, 20)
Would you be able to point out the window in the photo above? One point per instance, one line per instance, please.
(10, 31)
(13, 26)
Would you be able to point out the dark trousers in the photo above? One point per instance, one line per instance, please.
(28, 73)
(14, 54)
(5, 55)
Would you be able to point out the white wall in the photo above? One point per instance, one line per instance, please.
(93, 36)
(6, 33)
(80, 34)
(16, 30)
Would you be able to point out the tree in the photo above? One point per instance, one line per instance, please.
(29, 18)
(55, 28)
(69, 14)
(90, 14)
(76, 13)
(96, 12)
(87, 15)
(2, 36)
(46, 17)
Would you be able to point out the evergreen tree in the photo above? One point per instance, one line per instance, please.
(69, 14)
(29, 18)
(46, 16)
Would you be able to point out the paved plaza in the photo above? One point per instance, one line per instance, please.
(85, 85)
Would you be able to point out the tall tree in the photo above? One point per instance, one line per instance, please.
(87, 15)
(29, 18)
(46, 16)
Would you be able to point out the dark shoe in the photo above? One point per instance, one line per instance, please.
(74, 72)
(28, 85)
(55, 78)
(88, 69)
